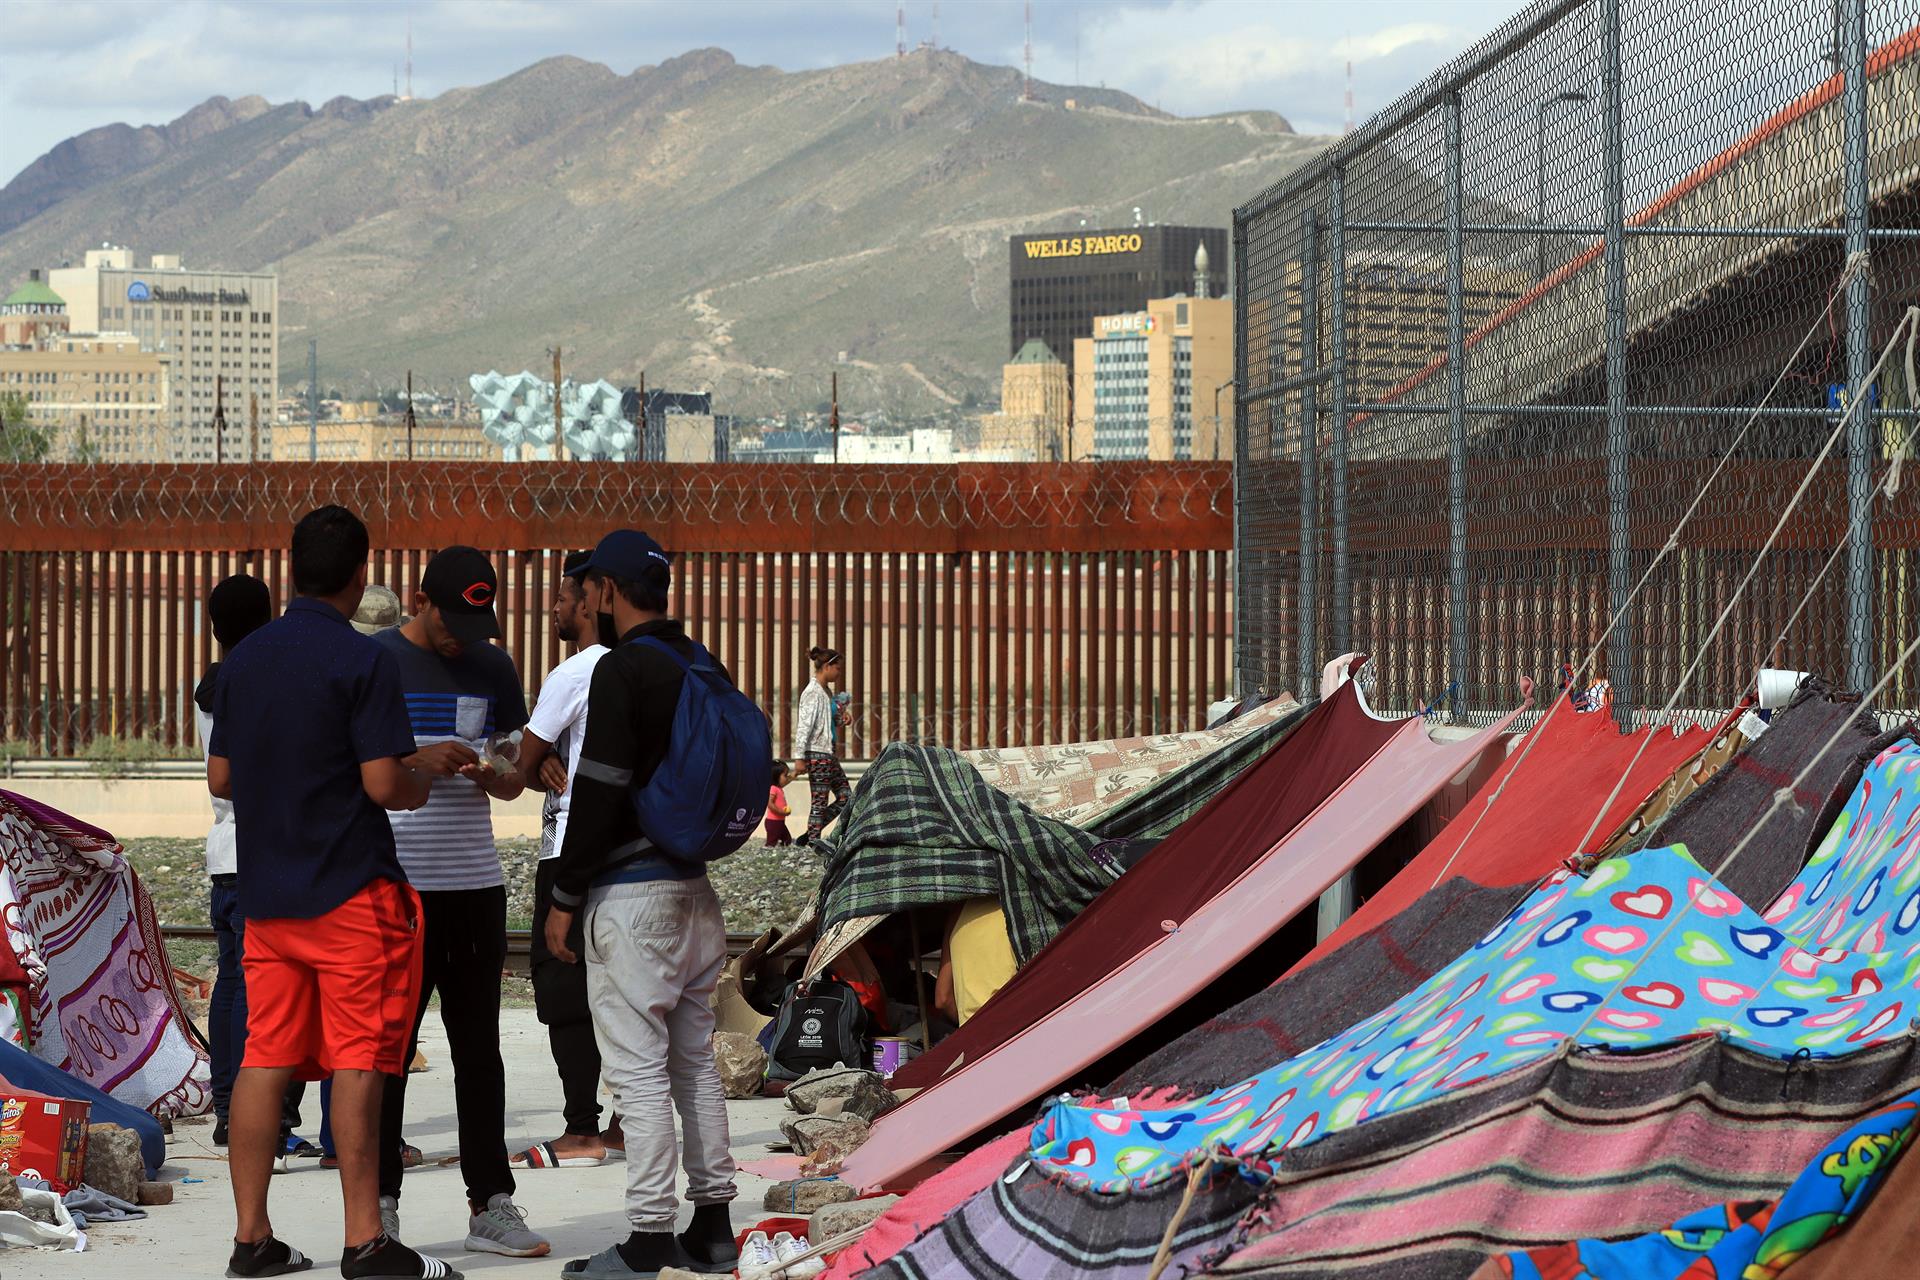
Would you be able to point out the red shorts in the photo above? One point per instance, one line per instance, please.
(335, 993)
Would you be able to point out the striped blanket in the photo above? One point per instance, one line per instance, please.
(1587, 1144)
(103, 1006)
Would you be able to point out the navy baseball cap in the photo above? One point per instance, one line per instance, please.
(630, 555)
(460, 582)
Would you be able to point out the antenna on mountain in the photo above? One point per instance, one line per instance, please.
(1026, 91)
(900, 30)
(1349, 95)
(935, 38)
(409, 97)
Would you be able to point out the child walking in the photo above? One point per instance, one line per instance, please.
(777, 807)
(813, 742)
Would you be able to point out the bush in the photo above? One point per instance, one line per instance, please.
(115, 757)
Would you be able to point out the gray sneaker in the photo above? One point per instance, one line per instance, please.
(390, 1216)
(502, 1228)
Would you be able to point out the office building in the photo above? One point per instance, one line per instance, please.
(1145, 383)
(99, 397)
(221, 329)
(385, 440)
(31, 314)
(1059, 281)
(1036, 390)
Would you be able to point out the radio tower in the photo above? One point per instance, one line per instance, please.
(1349, 95)
(934, 42)
(1026, 91)
(409, 97)
(900, 30)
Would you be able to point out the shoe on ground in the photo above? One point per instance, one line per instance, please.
(219, 1133)
(502, 1228)
(266, 1257)
(299, 1148)
(384, 1258)
(788, 1248)
(390, 1217)
(757, 1254)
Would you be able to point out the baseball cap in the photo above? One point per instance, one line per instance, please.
(630, 555)
(459, 582)
(379, 609)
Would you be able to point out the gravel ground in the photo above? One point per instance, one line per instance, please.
(759, 887)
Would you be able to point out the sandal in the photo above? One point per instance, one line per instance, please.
(544, 1156)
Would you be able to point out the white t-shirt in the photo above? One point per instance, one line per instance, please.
(560, 717)
(222, 849)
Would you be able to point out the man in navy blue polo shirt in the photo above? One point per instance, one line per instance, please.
(311, 743)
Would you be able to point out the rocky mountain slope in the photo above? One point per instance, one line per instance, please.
(715, 225)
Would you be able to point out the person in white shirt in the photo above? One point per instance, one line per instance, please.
(236, 608)
(549, 755)
(813, 743)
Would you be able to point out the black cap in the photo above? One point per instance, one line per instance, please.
(630, 555)
(459, 582)
(237, 607)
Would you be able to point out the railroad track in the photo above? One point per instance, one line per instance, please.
(519, 943)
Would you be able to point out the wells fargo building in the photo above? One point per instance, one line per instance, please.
(1061, 280)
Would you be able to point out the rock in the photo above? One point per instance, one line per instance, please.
(830, 1220)
(804, 1195)
(812, 1134)
(155, 1193)
(742, 1064)
(677, 1273)
(113, 1161)
(864, 1093)
(10, 1199)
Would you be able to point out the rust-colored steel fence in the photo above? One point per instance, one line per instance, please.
(976, 606)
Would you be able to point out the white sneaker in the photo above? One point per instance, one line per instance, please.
(789, 1247)
(757, 1255)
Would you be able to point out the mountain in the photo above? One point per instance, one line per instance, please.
(712, 224)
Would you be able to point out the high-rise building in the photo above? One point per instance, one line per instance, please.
(31, 314)
(221, 330)
(99, 397)
(1145, 383)
(1035, 394)
(1059, 281)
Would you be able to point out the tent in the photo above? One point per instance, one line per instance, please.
(22, 1070)
(1288, 844)
(103, 1006)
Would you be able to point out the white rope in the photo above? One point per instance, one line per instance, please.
(1806, 482)
(1856, 264)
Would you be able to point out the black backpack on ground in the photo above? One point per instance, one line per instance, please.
(820, 1023)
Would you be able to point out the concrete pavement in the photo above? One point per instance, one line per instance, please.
(578, 1209)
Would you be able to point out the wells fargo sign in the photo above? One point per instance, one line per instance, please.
(1083, 246)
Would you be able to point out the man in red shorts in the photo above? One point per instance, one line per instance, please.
(311, 742)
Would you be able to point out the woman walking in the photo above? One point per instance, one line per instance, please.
(813, 743)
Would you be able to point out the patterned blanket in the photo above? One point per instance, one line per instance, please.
(1086, 783)
(925, 830)
(1643, 951)
(103, 1006)
(1744, 1239)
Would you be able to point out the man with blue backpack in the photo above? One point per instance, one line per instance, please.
(671, 775)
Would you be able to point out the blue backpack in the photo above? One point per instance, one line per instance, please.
(708, 795)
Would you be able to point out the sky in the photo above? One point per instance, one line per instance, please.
(67, 66)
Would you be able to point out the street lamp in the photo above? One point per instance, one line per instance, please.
(1540, 174)
(1216, 423)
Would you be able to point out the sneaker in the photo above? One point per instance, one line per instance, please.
(757, 1255)
(266, 1257)
(390, 1217)
(790, 1248)
(502, 1228)
(384, 1258)
(220, 1133)
(301, 1149)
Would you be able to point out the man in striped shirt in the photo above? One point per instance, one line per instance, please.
(460, 689)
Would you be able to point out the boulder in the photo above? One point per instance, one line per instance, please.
(804, 1195)
(816, 1134)
(113, 1162)
(10, 1200)
(742, 1064)
(862, 1093)
(155, 1193)
(833, 1219)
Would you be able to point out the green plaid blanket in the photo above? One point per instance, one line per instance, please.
(1157, 809)
(925, 830)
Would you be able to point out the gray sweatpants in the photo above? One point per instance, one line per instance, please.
(654, 953)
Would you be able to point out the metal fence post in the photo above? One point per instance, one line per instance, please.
(1620, 655)
(1243, 600)
(1337, 339)
(1861, 427)
(1307, 662)
(1456, 418)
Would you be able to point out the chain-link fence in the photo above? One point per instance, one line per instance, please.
(1496, 343)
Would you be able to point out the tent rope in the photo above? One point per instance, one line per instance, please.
(1163, 1256)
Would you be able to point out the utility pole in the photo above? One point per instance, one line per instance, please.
(559, 438)
(833, 421)
(409, 418)
(313, 400)
(253, 426)
(219, 419)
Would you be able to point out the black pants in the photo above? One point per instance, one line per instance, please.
(560, 998)
(465, 946)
